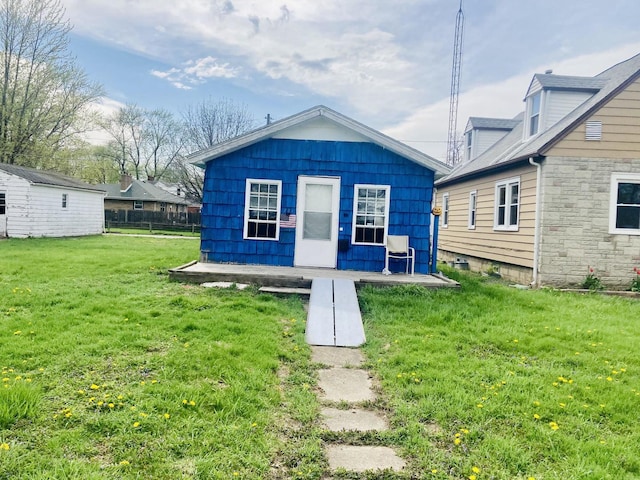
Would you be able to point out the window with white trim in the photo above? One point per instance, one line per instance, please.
(534, 113)
(473, 202)
(65, 199)
(624, 215)
(469, 141)
(445, 210)
(507, 205)
(3, 203)
(370, 214)
(262, 209)
(138, 205)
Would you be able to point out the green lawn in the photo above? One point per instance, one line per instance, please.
(111, 371)
(518, 384)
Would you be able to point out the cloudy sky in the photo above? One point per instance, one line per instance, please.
(384, 63)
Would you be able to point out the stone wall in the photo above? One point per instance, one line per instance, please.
(574, 233)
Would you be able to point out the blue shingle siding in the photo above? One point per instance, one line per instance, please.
(277, 159)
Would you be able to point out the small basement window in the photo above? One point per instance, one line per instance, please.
(262, 209)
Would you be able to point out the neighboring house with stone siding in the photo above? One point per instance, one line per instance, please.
(558, 192)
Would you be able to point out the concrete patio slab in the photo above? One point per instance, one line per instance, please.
(198, 272)
(336, 420)
(337, 356)
(362, 459)
(345, 385)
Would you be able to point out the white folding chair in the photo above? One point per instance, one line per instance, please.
(397, 247)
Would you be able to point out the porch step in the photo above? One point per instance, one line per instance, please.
(286, 291)
(334, 314)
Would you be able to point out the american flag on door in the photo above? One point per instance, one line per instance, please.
(287, 220)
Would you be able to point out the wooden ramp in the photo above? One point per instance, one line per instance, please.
(334, 314)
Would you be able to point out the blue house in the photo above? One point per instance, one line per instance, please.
(316, 189)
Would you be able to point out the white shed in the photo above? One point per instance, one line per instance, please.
(37, 203)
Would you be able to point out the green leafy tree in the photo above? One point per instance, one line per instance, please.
(43, 93)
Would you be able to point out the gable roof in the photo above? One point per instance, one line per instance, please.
(487, 123)
(203, 156)
(42, 177)
(142, 191)
(550, 81)
(512, 149)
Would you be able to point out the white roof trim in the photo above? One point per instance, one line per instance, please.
(203, 156)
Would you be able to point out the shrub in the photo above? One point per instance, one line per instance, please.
(591, 281)
(635, 283)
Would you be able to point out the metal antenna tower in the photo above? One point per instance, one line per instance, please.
(453, 152)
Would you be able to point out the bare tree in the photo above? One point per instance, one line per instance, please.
(43, 94)
(163, 142)
(210, 122)
(206, 124)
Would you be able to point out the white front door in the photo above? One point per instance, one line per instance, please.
(3, 214)
(318, 206)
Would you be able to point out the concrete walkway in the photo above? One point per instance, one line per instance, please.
(342, 381)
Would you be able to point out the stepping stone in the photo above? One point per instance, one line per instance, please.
(239, 286)
(353, 419)
(345, 384)
(362, 459)
(336, 356)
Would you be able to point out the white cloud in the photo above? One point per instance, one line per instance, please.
(195, 72)
(427, 128)
(208, 67)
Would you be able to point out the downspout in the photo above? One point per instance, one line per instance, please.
(536, 231)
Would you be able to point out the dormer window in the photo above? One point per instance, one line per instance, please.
(469, 143)
(534, 114)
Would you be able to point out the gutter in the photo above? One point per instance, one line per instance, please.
(536, 235)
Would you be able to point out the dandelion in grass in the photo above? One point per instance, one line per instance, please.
(434, 471)
(475, 469)
(457, 441)
(124, 463)
(480, 405)
(136, 424)
(536, 416)
(472, 477)
(4, 446)
(167, 416)
(94, 387)
(554, 426)
(17, 332)
(111, 405)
